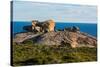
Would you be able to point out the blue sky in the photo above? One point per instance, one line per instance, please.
(27, 11)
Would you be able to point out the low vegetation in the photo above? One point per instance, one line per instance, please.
(36, 54)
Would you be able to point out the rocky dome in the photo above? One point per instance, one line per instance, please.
(70, 36)
(73, 39)
(59, 38)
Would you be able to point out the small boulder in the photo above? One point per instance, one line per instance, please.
(28, 28)
(75, 29)
(72, 29)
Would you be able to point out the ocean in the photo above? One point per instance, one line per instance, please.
(84, 27)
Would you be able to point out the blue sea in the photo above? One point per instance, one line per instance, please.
(84, 27)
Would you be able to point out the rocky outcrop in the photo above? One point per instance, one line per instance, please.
(72, 39)
(28, 28)
(73, 29)
(22, 37)
(45, 26)
(70, 36)
(60, 38)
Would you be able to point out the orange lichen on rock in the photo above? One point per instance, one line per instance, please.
(45, 26)
(51, 25)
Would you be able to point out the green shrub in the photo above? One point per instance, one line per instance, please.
(33, 54)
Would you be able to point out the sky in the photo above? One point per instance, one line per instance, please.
(28, 11)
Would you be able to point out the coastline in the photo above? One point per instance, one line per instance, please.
(59, 25)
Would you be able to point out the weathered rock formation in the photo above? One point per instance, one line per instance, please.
(22, 37)
(73, 29)
(60, 38)
(70, 36)
(45, 26)
(72, 39)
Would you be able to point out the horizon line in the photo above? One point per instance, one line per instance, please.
(64, 22)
